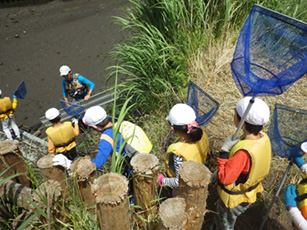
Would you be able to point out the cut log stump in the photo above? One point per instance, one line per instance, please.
(48, 197)
(194, 179)
(172, 215)
(14, 195)
(51, 172)
(145, 173)
(11, 157)
(85, 172)
(111, 197)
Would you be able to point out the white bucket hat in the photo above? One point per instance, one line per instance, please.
(304, 147)
(181, 114)
(94, 116)
(52, 113)
(259, 113)
(64, 70)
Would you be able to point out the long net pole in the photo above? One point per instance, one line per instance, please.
(251, 102)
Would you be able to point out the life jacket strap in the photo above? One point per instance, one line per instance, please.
(238, 192)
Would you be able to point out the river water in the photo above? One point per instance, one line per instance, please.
(37, 39)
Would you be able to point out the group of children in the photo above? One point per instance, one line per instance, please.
(242, 162)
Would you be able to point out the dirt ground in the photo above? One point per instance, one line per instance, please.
(37, 39)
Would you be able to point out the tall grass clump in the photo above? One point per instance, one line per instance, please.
(153, 58)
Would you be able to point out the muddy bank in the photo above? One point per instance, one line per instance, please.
(37, 39)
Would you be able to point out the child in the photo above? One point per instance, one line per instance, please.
(242, 164)
(61, 136)
(7, 109)
(192, 143)
(294, 199)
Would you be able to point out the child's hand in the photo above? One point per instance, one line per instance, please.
(160, 179)
(289, 196)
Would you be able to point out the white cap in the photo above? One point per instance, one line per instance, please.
(181, 114)
(259, 113)
(52, 113)
(64, 70)
(304, 147)
(94, 116)
(0, 92)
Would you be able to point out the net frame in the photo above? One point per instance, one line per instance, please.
(73, 110)
(272, 75)
(287, 131)
(204, 105)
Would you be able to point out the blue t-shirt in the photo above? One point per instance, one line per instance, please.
(105, 148)
(82, 80)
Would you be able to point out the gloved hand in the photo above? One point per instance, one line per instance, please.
(299, 161)
(160, 179)
(60, 159)
(74, 120)
(14, 96)
(229, 143)
(289, 196)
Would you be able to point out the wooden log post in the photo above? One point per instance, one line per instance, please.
(11, 157)
(52, 192)
(145, 173)
(194, 179)
(85, 172)
(51, 172)
(14, 195)
(172, 214)
(111, 197)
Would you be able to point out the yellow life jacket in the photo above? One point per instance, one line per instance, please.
(302, 193)
(75, 89)
(135, 136)
(260, 152)
(5, 105)
(63, 137)
(301, 200)
(196, 151)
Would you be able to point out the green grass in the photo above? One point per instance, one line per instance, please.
(165, 38)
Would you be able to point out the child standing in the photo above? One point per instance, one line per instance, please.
(61, 136)
(7, 109)
(243, 164)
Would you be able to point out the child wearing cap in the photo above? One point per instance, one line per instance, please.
(295, 198)
(61, 136)
(242, 164)
(75, 85)
(192, 143)
(7, 109)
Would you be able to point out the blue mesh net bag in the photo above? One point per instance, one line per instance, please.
(287, 131)
(21, 91)
(73, 110)
(271, 53)
(203, 104)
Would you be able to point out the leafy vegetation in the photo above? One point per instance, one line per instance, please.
(168, 40)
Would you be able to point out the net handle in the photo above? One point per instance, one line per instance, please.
(251, 102)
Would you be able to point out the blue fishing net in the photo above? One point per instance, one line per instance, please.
(21, 91)
(271, 53)
(73, 110)
(203, 104)
(287, 131)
